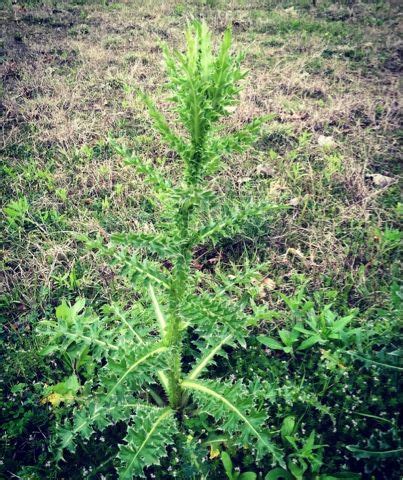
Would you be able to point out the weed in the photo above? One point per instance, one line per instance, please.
(205, 88)
(338, 236)
(16, 211)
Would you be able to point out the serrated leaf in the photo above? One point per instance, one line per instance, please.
(151, 242)
(144, 270)
(161, 124)
(207, 313)
(241, 139)
(76, 332)
(152, 430)
(230, 220)
(230, 404)
(84, 422)
(131, 368)
(151, 174)
(208, 356)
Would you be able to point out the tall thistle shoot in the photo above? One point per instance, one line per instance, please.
(134, 358)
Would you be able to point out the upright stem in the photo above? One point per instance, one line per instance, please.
(178, 288)
(182, 267)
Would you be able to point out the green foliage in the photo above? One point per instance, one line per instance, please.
(62, 392)
(133, 370)
(16, 211)
(77, 334)
(233, 474)
(146, 440)
(324, 396)
(323, 328)
(340, 234)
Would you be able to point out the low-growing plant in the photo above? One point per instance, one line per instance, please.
(16, 211)
(233, 474)
(147, 367)
(341, 387)
(315, 328)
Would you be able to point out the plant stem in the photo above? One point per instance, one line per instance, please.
(180, 277)
(181, 272)
(174, 337)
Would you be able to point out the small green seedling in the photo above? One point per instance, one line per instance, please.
(326, 327)
(287, 342)
(233, 474)
(16, 212)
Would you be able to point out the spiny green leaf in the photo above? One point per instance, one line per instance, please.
(208, 312)
(96, 415)
(161, 124)
(233, 219)
(150, 173)
(131, 368)
(151, 431)
(238, 140)
(233, 407)
(158, 244)
(76, 331)
(203, 87)
(207, 358)
(136, 269)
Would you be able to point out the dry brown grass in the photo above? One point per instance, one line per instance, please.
(63, 79)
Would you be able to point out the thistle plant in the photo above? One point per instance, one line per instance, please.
(148, 366)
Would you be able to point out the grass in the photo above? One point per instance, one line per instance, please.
(68, 71)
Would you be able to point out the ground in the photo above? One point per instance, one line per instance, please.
(328, 74)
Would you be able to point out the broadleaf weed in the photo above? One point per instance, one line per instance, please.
(144, 380)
